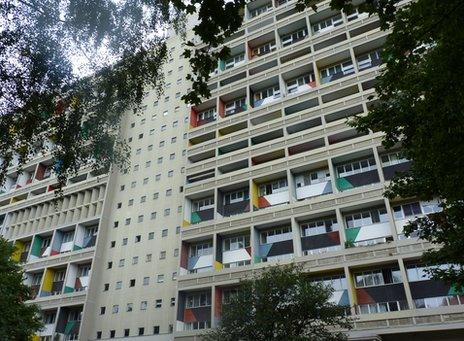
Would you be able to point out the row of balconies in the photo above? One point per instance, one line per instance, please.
(62, 323)
(56, 242)
(346, 172)
(297, 81)
(59, 280)
(366, 290)
(324, 232)
(316, 25)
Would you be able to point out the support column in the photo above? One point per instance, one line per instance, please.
(407, 288)
(297, 251)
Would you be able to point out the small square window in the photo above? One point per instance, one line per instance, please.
(129, 307)
(173, 301)
(161, 144)
(119, 205)
(126, 332)
(131, 202)
(110, 265)
(112, 332)
(170, 174)
(136, 168)
(115, 309)
(118, 285)
(172, 156)
(115, 224)
(163, 127)
(145, 181)
(106, 287)
(168, 192)
(132, 283)
(177, 229)
(102, 310)
(167, 212)
(162, 255)
(160, 279)
(138, 151)
(135, 260)
(124, 241)
(141, 331)
(176, 252)
(143, 305)
(156, 330)
(173, 139)
(155, 104)
(158, 303)
(143, 199)
(174, 275)
(147, 164)
(112, 244)
(152, 131)
(121, 262)
(133, 184)
(160, 160)
(140, 136)
(158, 177)
(165, 113)
(151, 235)
(153, 215)
(128, 221)
(140, 218)
(146, 280)
(179, 209)
(132, 125)
(138, 238)
(148, 258)
(122, 188)
(99, 335)
(155, 195)
(150, 147)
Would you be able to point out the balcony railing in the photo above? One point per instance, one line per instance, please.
(381, 307)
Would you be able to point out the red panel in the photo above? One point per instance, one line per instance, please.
(189, 316)
(54, 252)
(248, 249)
(222, 109)
(193, 117)
(363, 297)
(335, 236)
(184, 256)
(40, 172)
(262, 202)
(218, 302)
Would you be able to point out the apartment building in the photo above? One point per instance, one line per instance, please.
(264, 172)
(275, 175)
(103, 260)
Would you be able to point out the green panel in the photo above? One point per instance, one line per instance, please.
(76, 247)
(222, 65)
(343, 184)
(195, 218)
(69, 327)
(35, 248)
(257, 259)
(67, 290)
(351, 234)
(453, 291)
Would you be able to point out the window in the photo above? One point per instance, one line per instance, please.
(294, 37)
(126, 332)
(106, 287)
(176, 252)
(207, 115)
(177, 229)
(143, 305)
(328, 24)
(141, 331)
(127, 222)
(356, 167)
(174, 275)
(294, 85)
(146, 280)
(164, 233)
(133, 184)
(121, 262)
(131, 202)
(170, 173)
(112, 244)
(160, 279)
(132, 283)
(136, 168)
(235, 106)
(112, 333)
(318, 227)
(162, 255)
(160, 160)
(273, 187)
(264, 49)
(172, 156)
(135, 260)
(158, 303)
(276, 235)
(115, 309)
(374, 216)
(236, 243)
(140, 218)
(312, 178)
(237, 196)
(203, 204)
(124, 241)
(377, 277)
(161, 144)
(196, 300)
(260, 10)
(151, 235)
(201, 249)
(118, 285)
(158, 177)
(143, 199)
(150, 147)
(173, 301)
(153, 215)
(129, 307)
(173, 139)
(102, 310)
(167, 212)
(168, 192)
(99, 335)
(344, 68)
(122, 187)
(132, 125)
(115, 224)
(110, 265)
(119, 205)
(163, 127)
(233, 61)
(148, 257)
(156, 330)
(147, 164)
(138, 238)
(155, 195)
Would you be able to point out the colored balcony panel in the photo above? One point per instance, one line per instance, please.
(197, 257)
(41, 246)
(235, 106)
(320, 236)
(367, 227)
(276, 244)
(194, 310)
(339, 285)
(34, 280)
(90, 237)
(69, 322)
(203, 113)
(271, 193)
(262, 46)
(429, 293)
(313, 183)
(62, 242)
(202, 210)
(49, 320)
(235, 251)
(357, 173)
(406, 212)
(394, 164)
(234, 202)
(379, 291)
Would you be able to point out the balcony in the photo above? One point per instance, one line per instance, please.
(34, 280)
(237, 57)
(340, 288)
(270, 193)
(197, 257)
(320, 236)
(234, 250)
(325, 21)
(313, 183)
(265, 92)
(336, 71)
(203, 113)
(293, 33)
(202, 210)
(233, 103)
(194, 310)
(53, 282)
(356, 173)
(380, 291)
(275, 244)
(62, 242)
(367, 227)
(233, 201)
(394, 164)
(256, 8)
(69, 322)
(41, 246)
(262, 45)
(406, 212)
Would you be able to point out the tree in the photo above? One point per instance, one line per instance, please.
(70, 69)
(18, 321)
(420, 105)
(281, 303)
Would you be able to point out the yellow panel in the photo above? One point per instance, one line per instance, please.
(352, 287)
(19, 247)
(254, 194)
(48, 280)
(35, 338)
(185, 223)
(217, 265)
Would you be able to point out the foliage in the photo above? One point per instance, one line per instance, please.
(281, 304)
(420, 106)
(18, 321)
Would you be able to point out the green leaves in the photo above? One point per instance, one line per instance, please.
(281, 303)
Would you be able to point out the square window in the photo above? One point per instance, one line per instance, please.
(133, 184)
(129, 307)
(168, 192)
(119, 205)
(106, 287)
(143, 305)
(127, 222)
(118, 285)
(176, 252)
(167, 212)
(163, 255)
(115, 309)
(140, 136)
(124, 241)
(110, 265)
(155, 195)
(170, 174)
(158, 177)
(153, 215)
(177, 229)
(148, 257)
(160, 279)
(156, 330)
(132, 283)
(172, 156)
(173, 301)
(135, 260)
(141, 331)
(126, 332)
(122, 187)
(150, 147)
(164, 233)
(112, 333)
(131, 202)
(143, 199)
(151, 235)
(99, 335)
(138, 238)
(121, 262)
(102, 310)
(147, 164)
(146, 280)
(140, 218)
(158, 303)
(174, 275)
(136, 168)
(116, 224)
(112, 244)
